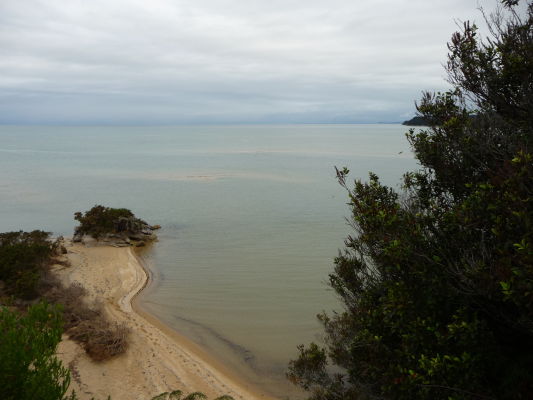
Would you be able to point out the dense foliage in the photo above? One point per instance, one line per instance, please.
(100, 220)
(29, 369)
(22, 258)
(437, 283)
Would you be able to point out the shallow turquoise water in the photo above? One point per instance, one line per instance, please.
(252, 218)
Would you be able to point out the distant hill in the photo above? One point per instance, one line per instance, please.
(416, 121)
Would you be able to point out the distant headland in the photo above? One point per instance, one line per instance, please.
(416, 121)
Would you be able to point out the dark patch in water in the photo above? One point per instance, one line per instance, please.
(242, 352)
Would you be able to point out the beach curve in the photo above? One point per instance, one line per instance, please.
(158, 359)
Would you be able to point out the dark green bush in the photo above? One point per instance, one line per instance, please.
(29, 369)
(101, 220)
(23, 255)
(437, 282)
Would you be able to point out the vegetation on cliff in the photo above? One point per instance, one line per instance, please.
(101, 220)
(437, 282)
(117, 226)
(24, 256)
(29, 369)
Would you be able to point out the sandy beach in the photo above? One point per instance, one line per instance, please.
(157, 359)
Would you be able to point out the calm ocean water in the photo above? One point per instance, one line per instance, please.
(252, 218)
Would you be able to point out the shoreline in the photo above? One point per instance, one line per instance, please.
(136, 304)
(158, 358)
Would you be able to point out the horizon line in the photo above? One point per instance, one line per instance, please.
(194, 123)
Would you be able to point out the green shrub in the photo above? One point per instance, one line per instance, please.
(101, 220)
(23, 255)
(436, 281)
(29, 369)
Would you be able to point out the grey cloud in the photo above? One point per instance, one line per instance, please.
(164, 61)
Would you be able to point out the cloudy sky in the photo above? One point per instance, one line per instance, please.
(222, 61)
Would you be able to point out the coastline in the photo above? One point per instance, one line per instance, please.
(158, 359)
(182, 340)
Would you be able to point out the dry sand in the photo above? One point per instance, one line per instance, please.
(157, 359)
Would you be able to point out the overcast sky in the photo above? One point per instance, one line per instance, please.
(222, 61)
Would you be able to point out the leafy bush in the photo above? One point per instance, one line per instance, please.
(29, 369)
(437, 282)
(101, 220)
(23, 255)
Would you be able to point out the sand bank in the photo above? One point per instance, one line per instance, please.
(158, 359)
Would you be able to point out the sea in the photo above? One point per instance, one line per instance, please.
(252, 219)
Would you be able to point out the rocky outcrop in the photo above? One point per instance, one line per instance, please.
(127, 232)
